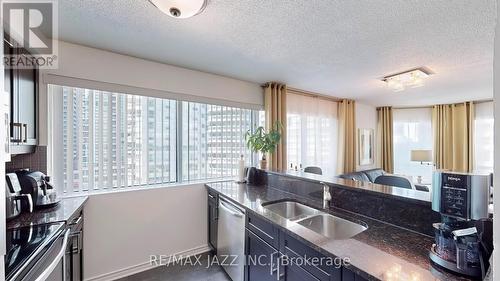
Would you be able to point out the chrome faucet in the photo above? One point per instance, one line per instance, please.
(327, 196)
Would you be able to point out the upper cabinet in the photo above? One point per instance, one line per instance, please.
(22, 86)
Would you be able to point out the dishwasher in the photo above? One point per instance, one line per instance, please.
(231, 239)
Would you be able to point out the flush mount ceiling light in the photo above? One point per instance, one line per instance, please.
(180, 9)
(411, 78)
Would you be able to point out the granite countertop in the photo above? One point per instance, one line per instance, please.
(382, 252)
(63, 211)
(393, 192)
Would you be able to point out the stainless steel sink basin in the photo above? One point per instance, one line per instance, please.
(332, 226)
(291, 210)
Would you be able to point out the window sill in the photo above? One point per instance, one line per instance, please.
(142, 188)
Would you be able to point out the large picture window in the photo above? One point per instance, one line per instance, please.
(412, 131)
(103, 140)
(312, 132)
(483, 138)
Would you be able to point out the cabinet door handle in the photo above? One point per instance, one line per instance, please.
(273, 269)
(19, 136)
(25, 126)
(279, 275)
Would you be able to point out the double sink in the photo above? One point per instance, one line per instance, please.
(320, 222)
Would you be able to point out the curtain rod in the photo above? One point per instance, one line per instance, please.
(429, 106)
(312, 94)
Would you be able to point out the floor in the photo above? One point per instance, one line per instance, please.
(182, 272)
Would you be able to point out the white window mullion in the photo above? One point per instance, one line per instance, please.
(69, 161)
(109, 140)
(118, 141)
(101, 140)
(79, 139)
(91, 141)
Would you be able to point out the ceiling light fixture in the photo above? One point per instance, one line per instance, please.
(411, 78)
(180, 9)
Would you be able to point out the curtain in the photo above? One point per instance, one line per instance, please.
(385, 139)
(347, 137)
(275, 107)
(312, 132)
(453, 136)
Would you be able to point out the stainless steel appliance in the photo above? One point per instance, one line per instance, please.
(15, 202)
(464, 238)
(231, 239)
(74, 250)
(36, 253)
(37, 185)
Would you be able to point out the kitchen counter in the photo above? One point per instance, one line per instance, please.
(382, 252)
(62, 212)
(392, 192)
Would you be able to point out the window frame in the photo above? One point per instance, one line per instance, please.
(121, 89)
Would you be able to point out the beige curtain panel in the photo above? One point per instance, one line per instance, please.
(275, 107)
(347, 137)
(385, 146)
(453, 126)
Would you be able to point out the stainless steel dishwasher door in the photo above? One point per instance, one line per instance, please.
(231, 239)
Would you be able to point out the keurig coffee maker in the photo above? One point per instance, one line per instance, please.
(464, 238)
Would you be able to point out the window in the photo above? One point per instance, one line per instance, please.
(483, 137)
(213, 140)
(312, 132)
(102, 140)
(412, 130)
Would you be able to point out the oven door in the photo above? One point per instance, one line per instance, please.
(51, 266)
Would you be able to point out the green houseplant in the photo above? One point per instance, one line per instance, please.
(264, 142)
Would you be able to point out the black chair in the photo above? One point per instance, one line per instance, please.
(313, 170)
(393, 181)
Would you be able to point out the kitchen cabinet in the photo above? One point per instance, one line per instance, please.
(283, 257)
(292, 248)
(348, 275)
(294, 272)
(212, 220)
(262, 259)
(22, 86)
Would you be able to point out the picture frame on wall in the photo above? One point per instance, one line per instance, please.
(366, 147)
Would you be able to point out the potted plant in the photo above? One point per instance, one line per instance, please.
(264, 142)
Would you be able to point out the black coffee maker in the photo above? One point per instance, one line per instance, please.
(464, 237)
(37, 185)
(15, 202)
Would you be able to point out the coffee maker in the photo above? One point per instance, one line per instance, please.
(37, 185)
(15, 202)
(464, 237)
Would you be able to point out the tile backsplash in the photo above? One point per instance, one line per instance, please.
(36, 161)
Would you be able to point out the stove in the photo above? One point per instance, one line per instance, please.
(26, 245)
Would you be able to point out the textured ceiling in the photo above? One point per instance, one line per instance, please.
(337, 48)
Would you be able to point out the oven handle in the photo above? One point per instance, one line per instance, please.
(46, 273)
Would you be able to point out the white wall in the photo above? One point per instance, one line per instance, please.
(76, 61)
(123, 229)
(366, 118)
(496, 99)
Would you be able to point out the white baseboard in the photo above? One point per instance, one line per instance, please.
(145, 265)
